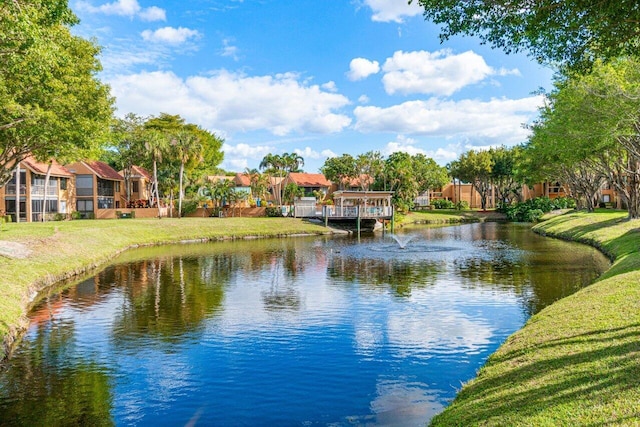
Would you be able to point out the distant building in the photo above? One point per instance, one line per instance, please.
(98, 188)
(26, 191)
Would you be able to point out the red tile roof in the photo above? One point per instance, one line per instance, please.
(103, 170)
(137, 171)
(309, 179)
(242, 180)
(41, 168)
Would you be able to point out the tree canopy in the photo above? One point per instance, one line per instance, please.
(572, 33)
(51, 102)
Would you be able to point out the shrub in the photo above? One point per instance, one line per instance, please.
(189, 206)
(442, 204)
(533, 215)
(273, 211)
(59, 217)
(462, 205)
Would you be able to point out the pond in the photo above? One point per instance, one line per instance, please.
(297, 331)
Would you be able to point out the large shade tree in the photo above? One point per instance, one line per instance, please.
(572, 33)
(51, 102)
(593, 121)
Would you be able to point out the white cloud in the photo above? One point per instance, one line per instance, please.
(328, 153)
(402, 144)
(363, 99)
(281, 104)
(229, 50)
(170, 35)
(393, 10)
(361, 68)
(307, 153)
(128, 8)
(246, 150)
(495, 121)
(330, 86)
(152, 14)
(439, 73)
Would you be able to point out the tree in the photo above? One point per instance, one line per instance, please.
(193, 151)
(292, 162)
(340, 170)
(125, 148)
(593, 121)
(573, 33)
(369, 166)
(187, 148)
(428, 174)
(51, 102)
(475, 167)
(156, 145)
(504, 174)
(259, 183)
(398, 170)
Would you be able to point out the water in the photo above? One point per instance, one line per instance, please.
(301, 331)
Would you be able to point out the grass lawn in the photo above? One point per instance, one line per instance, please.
(61, 249)
(576, 362)
(446, 216)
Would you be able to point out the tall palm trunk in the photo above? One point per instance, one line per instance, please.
(46, 186)
(155, 185)
(181, 191)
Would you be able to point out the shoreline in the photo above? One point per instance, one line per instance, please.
(576, 361)
(37, 263)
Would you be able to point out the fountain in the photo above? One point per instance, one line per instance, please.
(402, 241)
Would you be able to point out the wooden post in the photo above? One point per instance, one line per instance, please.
(358, 220)
(393, 218)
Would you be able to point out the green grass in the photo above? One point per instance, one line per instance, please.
(446, 216)
(576, 362)
(63, 249)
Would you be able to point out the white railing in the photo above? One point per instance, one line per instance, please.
(38, 190)
(357, 211)
(307, 211)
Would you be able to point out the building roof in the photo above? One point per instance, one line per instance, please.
(103, 170)
(137, 171)
(242, 180)
(41, 168)
(309, 179)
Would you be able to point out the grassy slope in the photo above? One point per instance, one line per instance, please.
(60, 249)
(576, 362)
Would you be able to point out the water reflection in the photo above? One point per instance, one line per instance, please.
(278, 332)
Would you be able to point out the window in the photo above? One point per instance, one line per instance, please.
(84, 205)
(63, 183)
(105, 203)
(606, 198)
(36, 206)
(105, 188)
(84, 185)
(135, 186)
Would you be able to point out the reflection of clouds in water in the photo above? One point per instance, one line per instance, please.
(404, 403)
(368, 337)
(442, 331)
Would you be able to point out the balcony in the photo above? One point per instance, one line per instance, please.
(38, 190)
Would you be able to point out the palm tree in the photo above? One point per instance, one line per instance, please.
(187, 148)
(274, 165)
(259, 182)
(293, 162)
(156, 145)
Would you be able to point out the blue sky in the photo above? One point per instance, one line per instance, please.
(320, 78)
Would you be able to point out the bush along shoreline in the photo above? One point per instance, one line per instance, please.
(577, 362)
